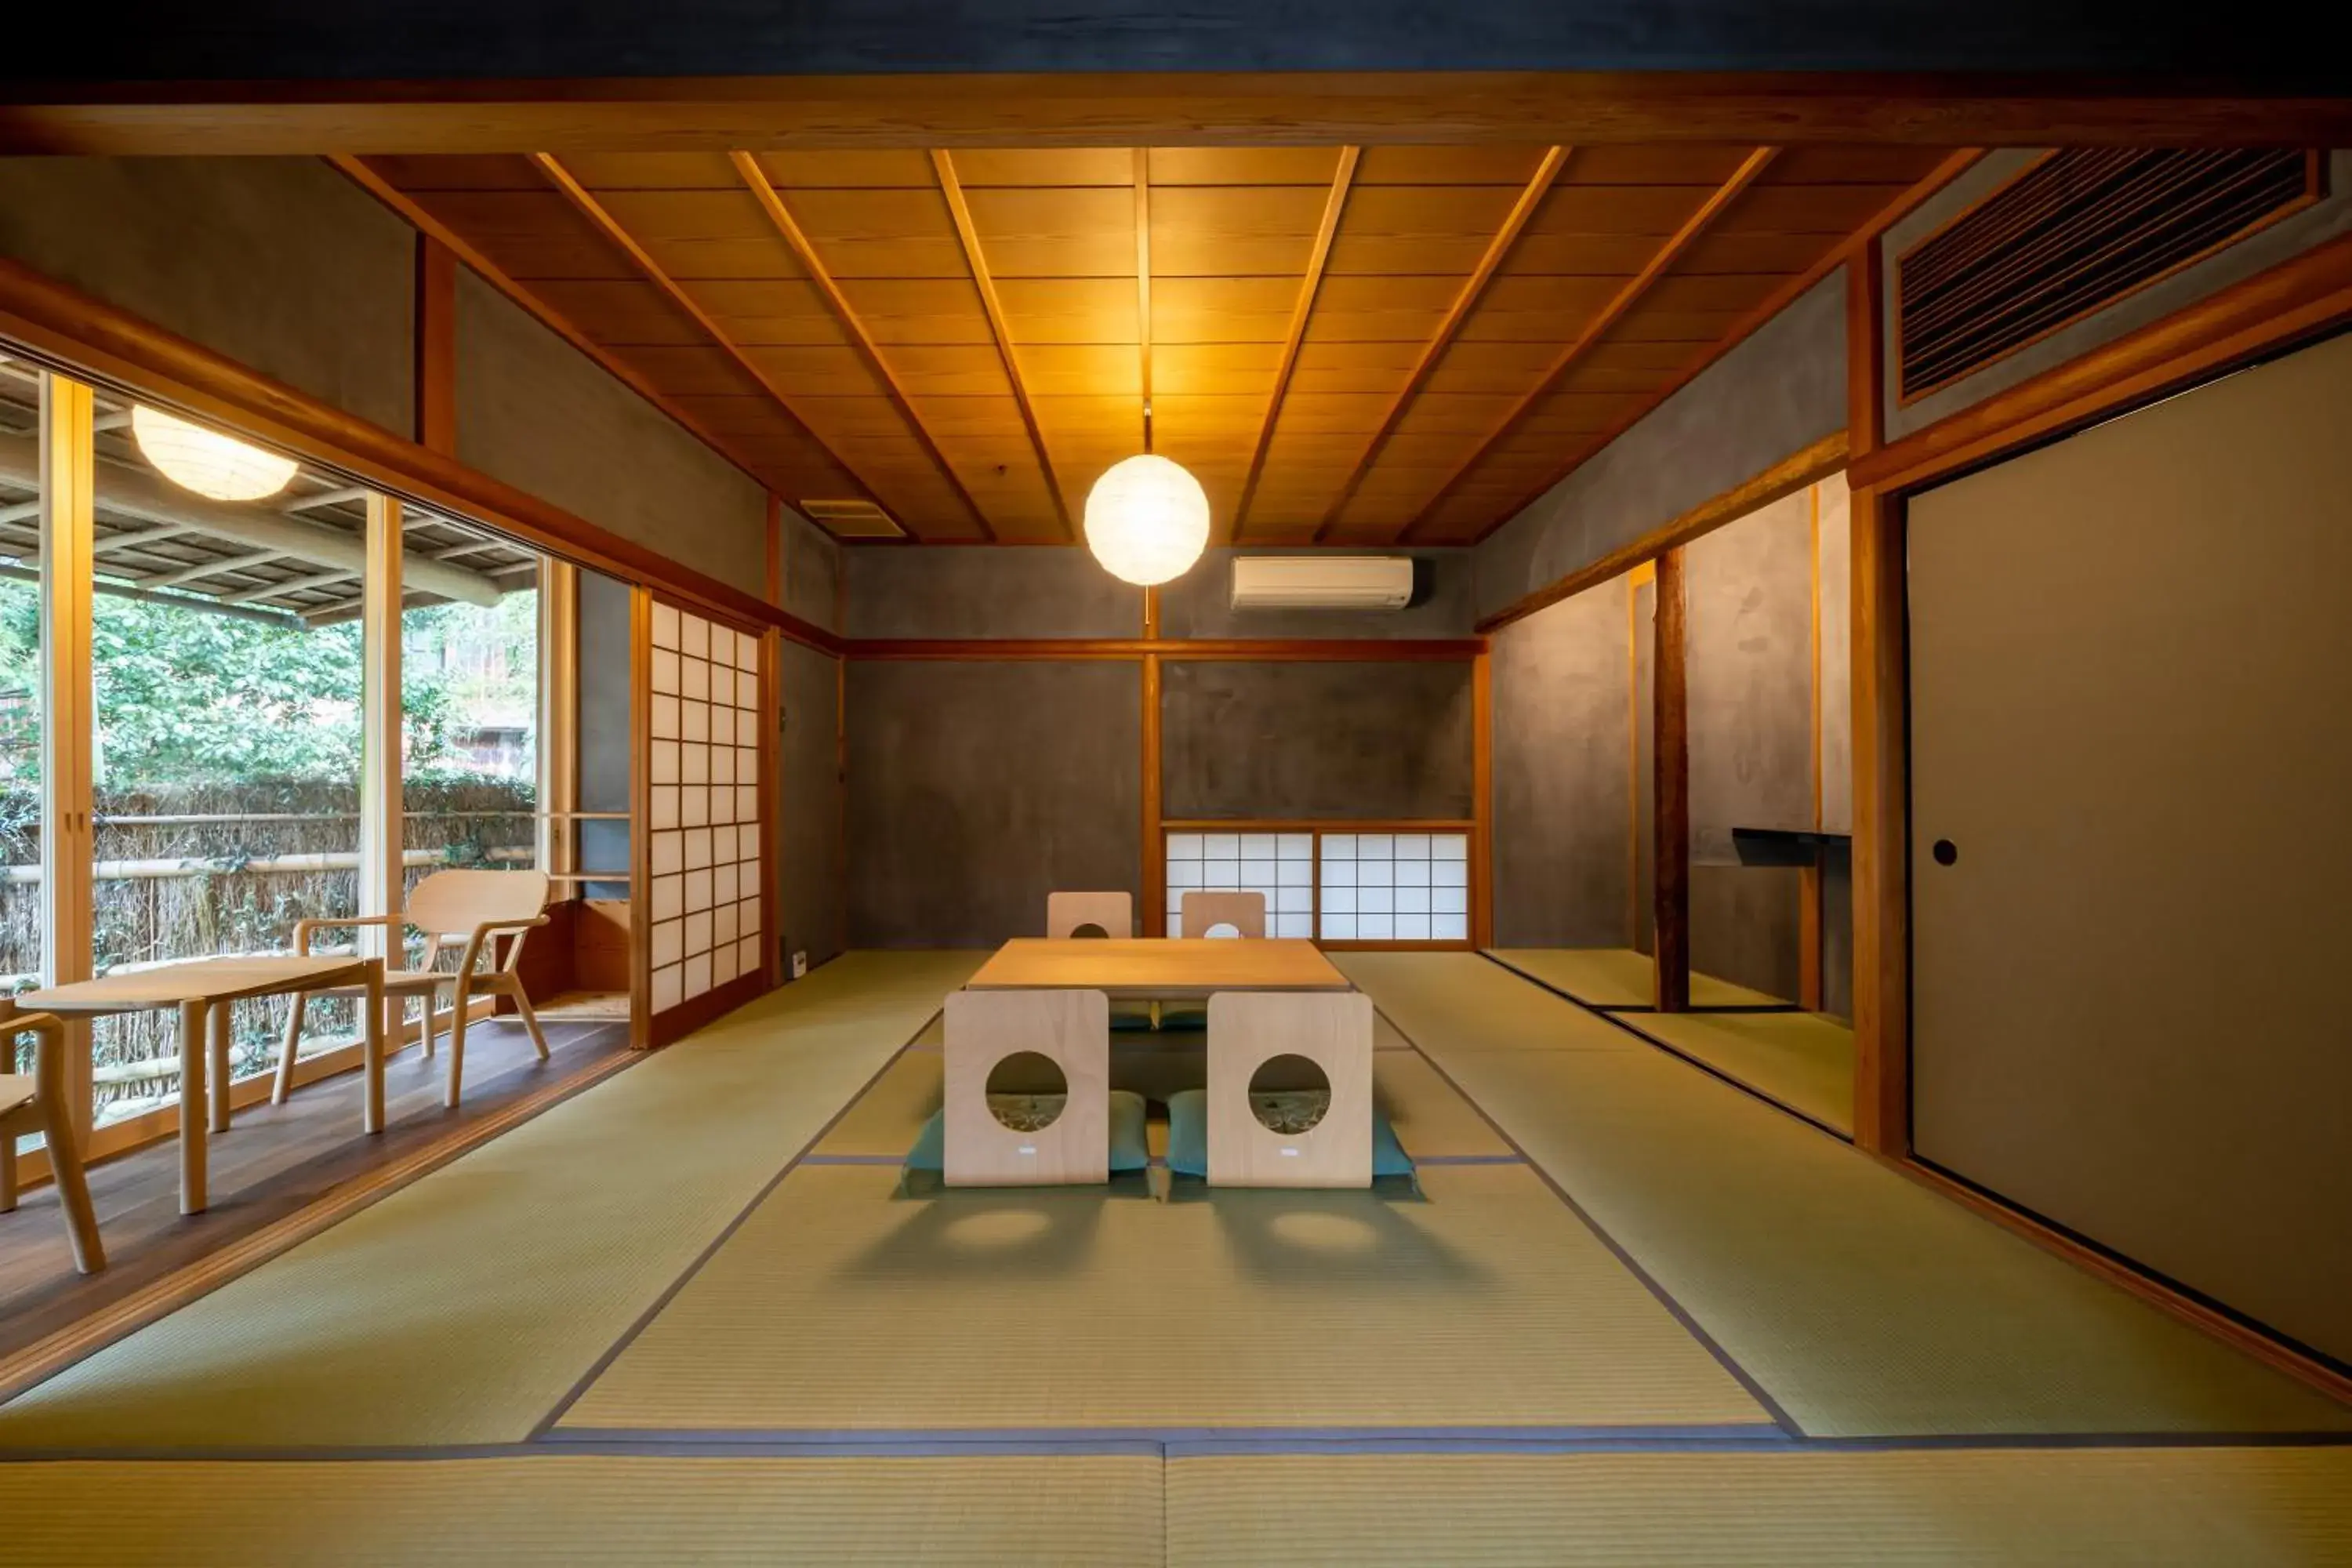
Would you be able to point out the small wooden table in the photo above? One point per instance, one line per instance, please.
(1158, 969)
(203, 989)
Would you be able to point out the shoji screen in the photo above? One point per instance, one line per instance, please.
(705, 813)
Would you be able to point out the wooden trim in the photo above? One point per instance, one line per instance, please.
(2303, 296)
(772, 202)
(1609, 315)
(696, 1011)
(68, 327)
(558, 759)
(1793, 473)
(1634, 580)
(1319, 825)
(968, 235)
(1143, 279)
(1809, 935)
(773, 958)
(431, 228)
(1394, 946)
(68, 716)
(1670, 778)
(2265, 1347)
(1334, 650)
(1155, 832)
(774, 541)
(641, 848)
(1780, 298)
(1482, 801)
(1311, 286)
(1097, 108)
(841, 778)
(1514, 222)
(382, 865)
(436, 346)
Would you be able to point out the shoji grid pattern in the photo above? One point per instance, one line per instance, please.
(1279, 865)
(703, 907)
(1396, 887)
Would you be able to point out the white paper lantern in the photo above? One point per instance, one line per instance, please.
(1147, 520)
(207, 461)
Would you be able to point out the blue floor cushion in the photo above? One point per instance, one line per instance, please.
(1128, 1150)
(1188, 1130)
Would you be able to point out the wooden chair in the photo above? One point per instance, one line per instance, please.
(1333, 1029)
(1069, 1028)
(36, 1102)
(1245, 913)
(446, 907)
(1072, 914)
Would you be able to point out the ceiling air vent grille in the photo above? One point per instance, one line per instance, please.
(852, 518)
(2075, 233)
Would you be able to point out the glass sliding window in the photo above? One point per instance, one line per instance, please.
(227, 659)
(20, 682)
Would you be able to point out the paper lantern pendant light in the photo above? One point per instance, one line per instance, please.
(207, 461)
(1147, 520)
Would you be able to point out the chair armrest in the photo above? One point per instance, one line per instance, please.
(48, 1051)
(302, 928)
(480, 937)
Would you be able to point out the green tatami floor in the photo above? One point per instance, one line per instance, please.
(1801, 1060)
(1620, 977)
(1633, 1315)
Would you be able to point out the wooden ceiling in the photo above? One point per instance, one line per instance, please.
(1349, 347)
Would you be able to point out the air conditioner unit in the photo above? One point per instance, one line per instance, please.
(1322, 581)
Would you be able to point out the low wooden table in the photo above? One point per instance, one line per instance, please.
(203, 989)
(1158, 969)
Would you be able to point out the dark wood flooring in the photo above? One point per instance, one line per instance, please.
(273, 1162)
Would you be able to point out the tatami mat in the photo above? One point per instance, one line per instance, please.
(1621, 977)
(464, 1307)
(1864, 1303)
(2247, 1508)
(1804, 1060)
(837, 1307)
(579, 1510)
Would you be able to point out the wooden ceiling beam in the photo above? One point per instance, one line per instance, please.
(421, 219)
(772, 202)
(1831, 260)
(1514, 222)
(968, 234)
(1624, 301)
(1334, 205)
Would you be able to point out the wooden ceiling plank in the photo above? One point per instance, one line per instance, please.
(943, 166)
(1531, 197)
(419, 218)
(1625, 299)
(1343, 179)
(772, 201)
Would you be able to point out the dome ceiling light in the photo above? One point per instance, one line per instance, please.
(206, 461)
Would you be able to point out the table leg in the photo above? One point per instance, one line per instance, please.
(371, 1012)
(222, 1021)
(193, 1096)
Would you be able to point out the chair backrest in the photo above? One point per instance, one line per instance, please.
(1245, 913)
(1089, 915)
(452, 903)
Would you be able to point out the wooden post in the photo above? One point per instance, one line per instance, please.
(436, 346)
(559, 717)
(69, 717)
(1882, 828)
(1670, 776)
(1481, 803)
(383, 867)
(1809, 878)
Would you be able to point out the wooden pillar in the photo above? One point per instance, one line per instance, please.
(383, 872)
(1481, 803)
(1670, 776)
(1154, 913)
(436, 346)
(559, 718)
(1882, 827)
(1809, 878)
(69, 717)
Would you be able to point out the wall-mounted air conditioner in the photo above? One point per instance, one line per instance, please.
(1322, 581)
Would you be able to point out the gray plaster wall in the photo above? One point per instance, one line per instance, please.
(1366, 741)
(1750, 670)
(2322, 221)
(811, 911)
(539, 415)
(1563, 793)
(812, 571)
(604, 736)
(986, 591)
(280, 264)
(1835, 575)
(977, 788)
(1200, 604)
(1777, 392)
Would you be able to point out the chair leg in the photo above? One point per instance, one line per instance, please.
(529, 1019)
(456, 1045)
(7, 1172)
(425, 1021)
(285, 1085)
(73, 1190)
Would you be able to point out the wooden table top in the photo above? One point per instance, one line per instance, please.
(197, 980)
(1153, 967)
